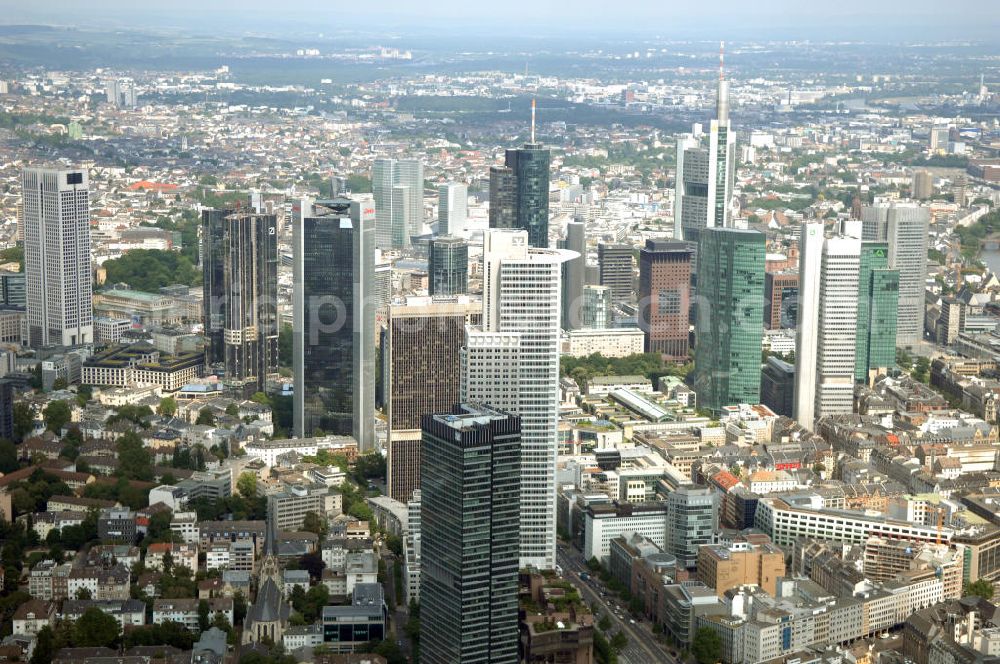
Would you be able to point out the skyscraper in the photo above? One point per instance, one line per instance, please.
(730, 317)
(512, 363)
(213, 284)
(57, 260)
(664, 297)
(574, 274)
(470, 498)
(878, 304)
(596, 312)
(827, 328)
(250, 310)
(399, 213)
(519, 192)
(704, 180)
(333, 305)
(692, 521)
(453, 200)
(615, 263)
(781, 294)
(907, 231)
(421, 352)
(448, 265)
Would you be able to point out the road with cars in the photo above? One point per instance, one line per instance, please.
(643, 647)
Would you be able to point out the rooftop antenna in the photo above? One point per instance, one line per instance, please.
(532, 120)
(722, 60)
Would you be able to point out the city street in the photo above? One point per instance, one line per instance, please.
(642, 647)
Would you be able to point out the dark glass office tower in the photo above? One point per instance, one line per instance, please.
(519, 193)
(250, 316)
(334, 310)
(470, 511)
(213, 286)
(448, 264)
(878, 305)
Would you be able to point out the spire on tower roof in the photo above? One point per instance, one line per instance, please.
(722, 102)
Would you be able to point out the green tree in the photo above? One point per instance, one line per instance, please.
(981, 588)
(206, 417)
(706, 646)
(95, 628)
(8, 457)
(619, 641)
(314, 523)
(45, 646)
(56, 415)
(24, 420)
(167, 407)
(604, 623)
(135, 461)
(247, 484)
(152, 269)
(83, 593)
(203, 615)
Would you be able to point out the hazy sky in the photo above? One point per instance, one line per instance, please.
(891, 19)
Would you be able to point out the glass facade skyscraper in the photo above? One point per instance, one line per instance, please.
(448, 265)
(469, 519)
(878, 300)
(334, 310)
(213, 284)
(519, 193)
(730, 317)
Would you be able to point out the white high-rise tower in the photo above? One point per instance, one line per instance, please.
(399, 213)
(826, 331)
(512, 363)
(704, 181)
(57, 256)
(453, 202)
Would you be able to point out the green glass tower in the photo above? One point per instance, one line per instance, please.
(730, 317)
(878, 304)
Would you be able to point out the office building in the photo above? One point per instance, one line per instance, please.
(615, 264)
(923, 184)
(448, 265)
(333, 349)
(730, 317)
(741, 563)
(12, 290)
(453, 200)
(777, 386)
(398, 189)
(57, 260)
(826, 332)
(951, 321)
(519, 192)
(213, 283)
(781, 295)
(512, 363)
(470, 501)
(704, 181)
(596, 312)
(905, 227)
(121, 93)
(421, 361)
(665, 297)
(603, 523)
(250, 300)
(6, 409)
(574, 275)
(878, 300)
(692, 520)
(348, 628)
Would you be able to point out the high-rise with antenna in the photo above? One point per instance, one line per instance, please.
(705, 173)
(519, 190)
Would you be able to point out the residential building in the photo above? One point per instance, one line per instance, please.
(185, 611)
